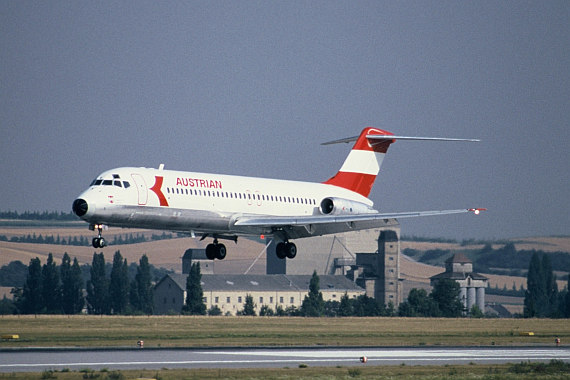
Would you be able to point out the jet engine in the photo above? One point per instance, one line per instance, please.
(340, 206)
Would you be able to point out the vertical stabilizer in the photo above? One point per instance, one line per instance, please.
(362, 165)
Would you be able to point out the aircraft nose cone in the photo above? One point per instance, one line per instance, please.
(80, 207)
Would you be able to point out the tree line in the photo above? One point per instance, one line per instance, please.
(59, 289)
(36, 215)
(442, 302)
(53, 289)
(82, 240)
(542, 298)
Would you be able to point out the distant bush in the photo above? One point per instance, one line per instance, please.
(36, 215)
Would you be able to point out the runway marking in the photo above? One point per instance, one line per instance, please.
(220, 359)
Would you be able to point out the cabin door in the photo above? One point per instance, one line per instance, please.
(141, 188)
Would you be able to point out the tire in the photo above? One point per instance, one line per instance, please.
(280, 250)
(211, 251)
(221, 252)
(290, 250)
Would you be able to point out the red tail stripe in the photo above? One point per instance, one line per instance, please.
(360, 183)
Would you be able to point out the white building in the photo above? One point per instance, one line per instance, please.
(228, 292)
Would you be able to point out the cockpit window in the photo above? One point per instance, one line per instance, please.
(111, 182)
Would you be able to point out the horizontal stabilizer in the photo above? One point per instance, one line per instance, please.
(392, 137)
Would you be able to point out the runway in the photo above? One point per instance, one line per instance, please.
(41, 360)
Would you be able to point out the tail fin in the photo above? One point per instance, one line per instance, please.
(362, 165)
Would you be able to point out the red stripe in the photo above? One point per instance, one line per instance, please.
(357, 182)
(380, 146)
(157, 188)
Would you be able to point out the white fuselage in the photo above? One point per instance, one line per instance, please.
(202, 202)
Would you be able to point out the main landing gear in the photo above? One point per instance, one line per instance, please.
(286, 250)
(216, 251)
(99, 241)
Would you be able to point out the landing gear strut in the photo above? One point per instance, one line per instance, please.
(286, 250)
(216, 251)
(99, 241)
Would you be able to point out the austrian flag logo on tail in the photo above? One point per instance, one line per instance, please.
(157, 189)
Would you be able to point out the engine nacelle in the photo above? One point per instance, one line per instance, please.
(340, 206)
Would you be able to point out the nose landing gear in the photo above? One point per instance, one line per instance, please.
(99, 241)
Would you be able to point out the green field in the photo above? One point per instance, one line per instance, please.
(552, 371)
(190, 331)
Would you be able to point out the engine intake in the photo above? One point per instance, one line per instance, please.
(340, 206)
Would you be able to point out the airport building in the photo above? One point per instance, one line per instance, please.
(472, 285)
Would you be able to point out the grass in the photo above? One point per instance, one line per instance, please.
(190, 331)
(490, 372)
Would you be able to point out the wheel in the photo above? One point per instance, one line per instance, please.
(102, 243)
(211, 251)
(290, 250)
(95, 242)
(220, 251)
(280, 250)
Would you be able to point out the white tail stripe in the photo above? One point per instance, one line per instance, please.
(363, 161)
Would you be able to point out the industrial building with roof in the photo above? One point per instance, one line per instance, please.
(228, 292)
(472, 285)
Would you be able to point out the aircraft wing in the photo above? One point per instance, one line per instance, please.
(315, 225)
(277, 221)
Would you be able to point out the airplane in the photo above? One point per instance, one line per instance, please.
(225, 206)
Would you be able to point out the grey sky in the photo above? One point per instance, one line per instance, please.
(253, 88)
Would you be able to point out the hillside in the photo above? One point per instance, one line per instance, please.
(546, 244)
(241, 256)
(161, 253)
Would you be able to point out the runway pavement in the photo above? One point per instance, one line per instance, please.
(41, 360)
